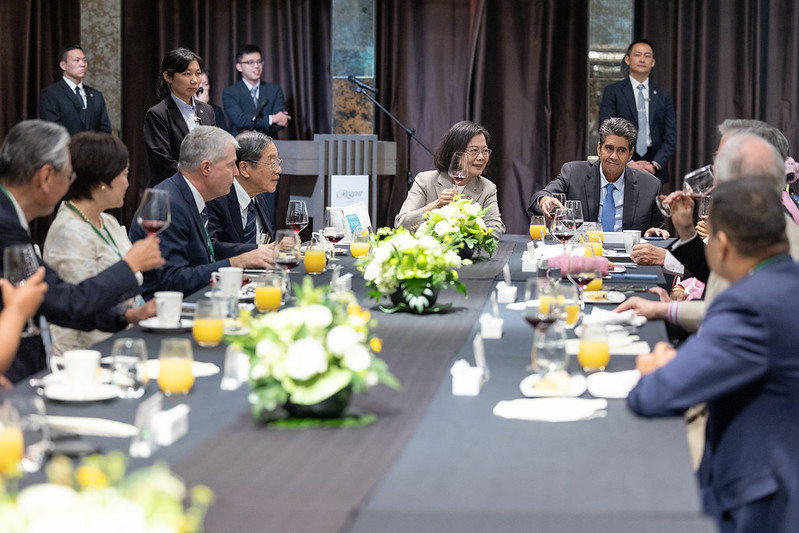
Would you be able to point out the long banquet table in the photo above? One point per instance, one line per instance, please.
(432, 461)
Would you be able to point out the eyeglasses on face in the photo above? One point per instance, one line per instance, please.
(271, 164)
(486, 152)
(252, 62)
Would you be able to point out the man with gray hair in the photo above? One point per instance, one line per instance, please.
(35, 173)
(616, 196)
(206, 170)
(241, 219)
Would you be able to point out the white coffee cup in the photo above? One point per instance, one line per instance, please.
(79, 367)
(631, 238)
(228, 281)
(167, 307)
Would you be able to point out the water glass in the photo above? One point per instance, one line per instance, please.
(549, 348)
(129, 370)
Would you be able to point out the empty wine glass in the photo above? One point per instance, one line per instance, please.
(457, 168)
(129, 373)
(697, 184)
(297, 215)
(154, 213)
(19, 263)
(576, 207)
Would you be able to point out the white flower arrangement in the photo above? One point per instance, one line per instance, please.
(460, 223)
(401, 261)
(307, 353)
(98, 497)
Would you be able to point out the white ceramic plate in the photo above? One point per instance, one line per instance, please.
(612, 384)
(551, 409)
(617, 269)
(612, 297)
(61, 378)
(64, 393)
(153, 324)
(577, 386)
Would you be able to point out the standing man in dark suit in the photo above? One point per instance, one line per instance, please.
(644, 103)
(241, 219)
(35, 173)
(252, 104)
(69, 102)
(744, 363)
(612, 193)
(206, 170)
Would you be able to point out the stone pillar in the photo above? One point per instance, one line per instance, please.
(353, 54)
(101, 39)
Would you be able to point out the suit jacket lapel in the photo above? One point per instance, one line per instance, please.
(176, 117)
(71, 96)
(188, 197)
(262, 207)
(235, 213)
(629, 97)
(591, 194)
(630, 198)
(654, 104)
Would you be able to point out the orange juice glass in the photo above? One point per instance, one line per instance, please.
(357, 249)
(315, 261)
(12, 446)
(267, 297)
(593, 352)
(209, 326)
(175, 375)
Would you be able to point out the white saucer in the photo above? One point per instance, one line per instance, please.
(612, 297)
(577, 386)
(60, 378)
(64, 393)
(247, 293)
(153, 324)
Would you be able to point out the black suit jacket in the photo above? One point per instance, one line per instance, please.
(224, 223)
(240, 109)
(58, 103)
(188, 265)
(164, 130)
(88, 305)
(580, 180)
(619, 100)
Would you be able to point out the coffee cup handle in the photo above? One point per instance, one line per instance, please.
(57, 364)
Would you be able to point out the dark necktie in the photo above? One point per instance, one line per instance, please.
(204, 216)
(83, 117)
(250, 227)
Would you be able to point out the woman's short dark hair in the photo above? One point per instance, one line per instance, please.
(456, 140)
(97, 158)
(175, 61)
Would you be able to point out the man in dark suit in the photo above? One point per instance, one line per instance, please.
(35, 173)
(642, 102)
(207, 167)
(743, 362)
(241, 219)
(69, 102)
(631, 204)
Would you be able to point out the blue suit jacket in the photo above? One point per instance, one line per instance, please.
(580, 180)
(224, 223)
(58, 103)
(240, 109)
(164, 130)
(88, 305)
(744, 363)
(188, 265)
(618, 100)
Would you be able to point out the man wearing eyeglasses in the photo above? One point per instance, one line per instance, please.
(241, 219)
(252, 104)
(69, 101)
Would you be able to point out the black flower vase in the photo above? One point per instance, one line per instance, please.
(398, 297)
(331, 407)
(465, 252)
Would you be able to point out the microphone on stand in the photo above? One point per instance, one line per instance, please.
(258, 113)
(361, 84)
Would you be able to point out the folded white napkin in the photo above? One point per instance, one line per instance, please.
(606, 317)
(101, 427)
(612, 384)
(551, 409)
(618, 346)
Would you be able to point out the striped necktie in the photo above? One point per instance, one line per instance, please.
(640, 145)
(250, 228)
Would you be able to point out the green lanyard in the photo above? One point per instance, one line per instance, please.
(208, 240)
(109, 241)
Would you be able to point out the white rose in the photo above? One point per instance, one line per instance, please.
(448, 210)
(317, 316)
(443, 227)
(428, 242)
(472, 208)
(259, 370)
(481, 223)
(267, 348)
(371, 379)
(403, 241)
(341, 340)
(305, 359)
(357, 359)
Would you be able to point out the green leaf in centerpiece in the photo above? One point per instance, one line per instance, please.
(319, 388)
